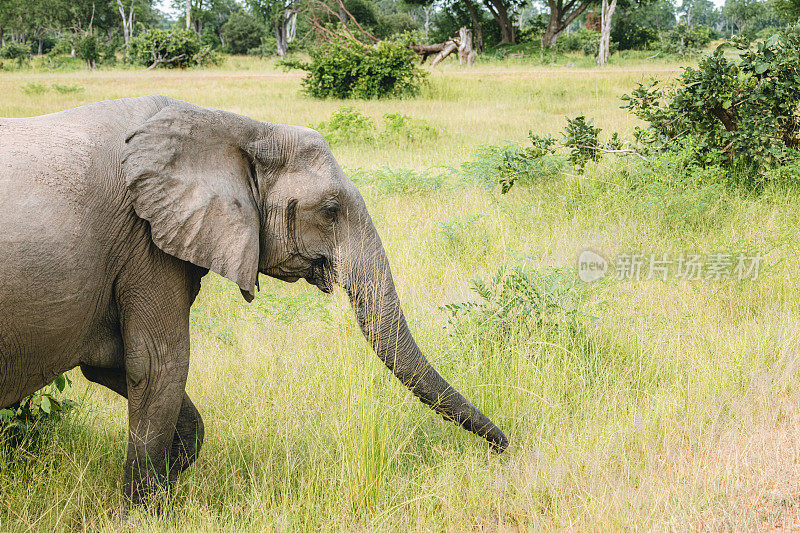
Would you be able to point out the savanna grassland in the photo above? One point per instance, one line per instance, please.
(672, 406)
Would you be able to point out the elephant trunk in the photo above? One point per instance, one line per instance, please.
(368, 281)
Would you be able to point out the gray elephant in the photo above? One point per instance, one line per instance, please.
(110, 215)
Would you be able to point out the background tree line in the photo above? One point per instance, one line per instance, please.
(99, 30)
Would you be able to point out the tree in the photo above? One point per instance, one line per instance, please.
(701, 12)
(638, 23)
(281, 16)
(606, 14)
(750, 16)
(561, 15)
(241, 33)
(502, 11)
(788, 10)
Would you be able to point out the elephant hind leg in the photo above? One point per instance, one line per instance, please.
(189, 433)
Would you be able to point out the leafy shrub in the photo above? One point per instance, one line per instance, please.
(15, 51)
(347, 68)
(522, 300)
(347, 124)
(62, 47)
(34, 88)
(399, 180)
(742, 113)
(672, 187)
(87, 49)
(265, 49)
(174, 48)
(397, 126)
(685, 39)
(580, 40)
(27, 421)
(242, 33)
(67, 89)
(506, 165)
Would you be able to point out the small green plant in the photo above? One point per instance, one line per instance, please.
(399, 180)
(583, 140)
(34, 88)
(347, 124)
(519, 299)
(507, 165)
(397, 126)
(348, 68)
(27, 421)
(67, 89)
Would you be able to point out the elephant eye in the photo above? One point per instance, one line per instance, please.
(331, 211)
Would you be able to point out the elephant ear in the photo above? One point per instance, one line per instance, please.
(190, 178)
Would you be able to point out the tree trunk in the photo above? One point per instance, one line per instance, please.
(476, 26)
(498, 10)
(449, 48)
(560, 18)
(40, 47)
(605, 31)
(280, 40)
(367, 279)
(188, 14)
(466, 54)
(342, 14)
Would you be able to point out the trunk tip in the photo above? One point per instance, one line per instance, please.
(498, 441)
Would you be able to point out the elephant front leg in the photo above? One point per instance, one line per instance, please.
(189, 429)
(154, 404)
(156, 366)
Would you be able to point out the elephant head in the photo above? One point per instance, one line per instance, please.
(240, 197)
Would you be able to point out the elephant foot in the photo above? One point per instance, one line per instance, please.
(120, 518)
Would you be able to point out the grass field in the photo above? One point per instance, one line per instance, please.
(677, 410)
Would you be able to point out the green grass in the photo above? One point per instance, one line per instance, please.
(676, 410)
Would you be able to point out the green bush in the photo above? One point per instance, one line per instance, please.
(27, 421)
(741, 113)
(575, 41)
(685, 39)
(506, 165)
(87, 49)
(399, 180)
(521, 300)
(174, 48)
(347, 125)
(347, 68)
(242, 33)
(34, 88)
(15, 51)
(400, 127)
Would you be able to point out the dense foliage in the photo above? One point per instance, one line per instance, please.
(347, 68)
(171, 49)
(242, 33)
(744, 111)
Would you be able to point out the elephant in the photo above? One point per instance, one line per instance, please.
(110, 215)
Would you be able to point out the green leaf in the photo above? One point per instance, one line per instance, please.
(60, 382)
(45, 404)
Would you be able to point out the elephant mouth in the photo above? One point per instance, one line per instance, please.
(321, 274)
